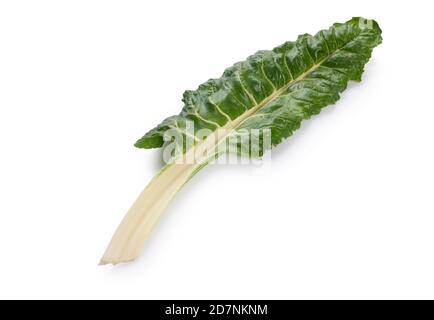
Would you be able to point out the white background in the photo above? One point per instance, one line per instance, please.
(345, 211)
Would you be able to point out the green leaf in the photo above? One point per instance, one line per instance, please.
(275, 90)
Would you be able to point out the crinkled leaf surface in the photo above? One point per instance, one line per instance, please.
(276, 89)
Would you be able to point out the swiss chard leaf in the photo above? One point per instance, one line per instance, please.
(271, 91)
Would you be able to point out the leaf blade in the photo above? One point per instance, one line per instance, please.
(277, 89)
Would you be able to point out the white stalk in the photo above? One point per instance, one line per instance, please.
(141, 218)
(139, 221)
